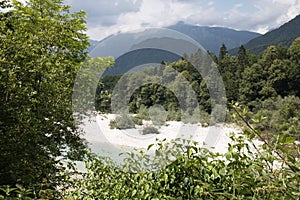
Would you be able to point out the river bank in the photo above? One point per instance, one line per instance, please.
(109, 142)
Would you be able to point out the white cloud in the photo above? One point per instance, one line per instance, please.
(292, 11)
(107, 17)
(273, 14)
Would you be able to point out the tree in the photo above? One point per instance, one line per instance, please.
(294, 54)
(42, 45)
(279, 76)
(294, 50)
(272, 53)
(253, 81)
(243, 61)
(228, 69)
(223, 52)
(242, 56)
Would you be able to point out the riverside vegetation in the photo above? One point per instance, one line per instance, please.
(42, 48)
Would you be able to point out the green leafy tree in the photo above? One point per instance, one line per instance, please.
(42, 45)
(228, 68)
(294, 50)
(294, 54)
(271, 54)
(279, 76)
(268, 77)
(244, 60)
(279, 116)
(223, 52)
(242, 56)
(253, 80)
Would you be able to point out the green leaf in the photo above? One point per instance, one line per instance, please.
(165, 177)
(149, 147)
(133, 193)
(289, 140)
(296, 193)
(222, 171)
(190, 152)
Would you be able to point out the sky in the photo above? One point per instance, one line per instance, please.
(106, 17)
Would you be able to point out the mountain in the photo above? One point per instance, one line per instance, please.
(135, 50)
(93, 44)
(211, 38)
(132, 50)
(282, 36)
(138, 59)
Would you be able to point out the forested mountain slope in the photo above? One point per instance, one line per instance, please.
(211, 38)
(282, 36)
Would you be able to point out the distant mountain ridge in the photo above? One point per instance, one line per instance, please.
(136, 59)
(282, 36)
(211, 38)
(93, 44)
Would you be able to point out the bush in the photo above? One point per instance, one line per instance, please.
(197, 173)
(202, 117)
(143, 113)
(137, 120)
(158, 115)
(150, 130)
(113, 124)
(279, 115)
(205, 118)
(122, 122)
(174, 115)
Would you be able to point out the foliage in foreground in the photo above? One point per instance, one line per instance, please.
(42, 46)
(280, 115)
(196, 174)
(243, 172)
